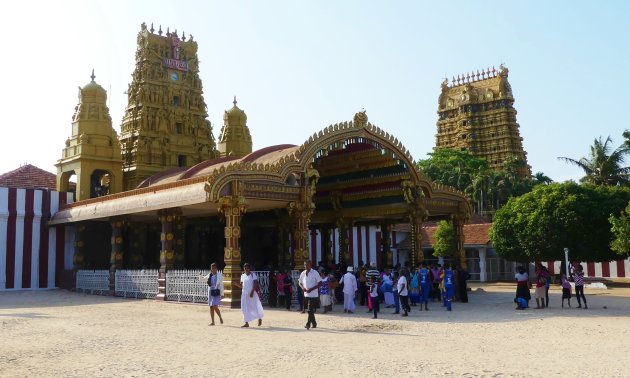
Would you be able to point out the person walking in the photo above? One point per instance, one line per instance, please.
(578, 279)
(215, 292)
(310, 281)
(425, 286)
(325, 298)
(250, 302)
(448, 284)
(403, 292)
(373, 289)
(350, 288)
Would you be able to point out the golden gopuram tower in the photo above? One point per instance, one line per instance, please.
(165, 123)
(92, 152)
(476, 114)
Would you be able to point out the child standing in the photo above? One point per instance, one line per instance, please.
(541, 281)
(373, 288)
(566, 290)
(578, 278)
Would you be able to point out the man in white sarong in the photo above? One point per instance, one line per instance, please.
(350, 288)
(250, 303)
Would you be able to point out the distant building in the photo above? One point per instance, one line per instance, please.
(476, 114)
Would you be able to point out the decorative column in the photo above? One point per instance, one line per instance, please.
(117, 253)
(343, 241)
(414, 197)
(232, 207)
(387, 258)
(301, 212)
(458, 225)
(180, 242)
(168, 218)
(326, 245)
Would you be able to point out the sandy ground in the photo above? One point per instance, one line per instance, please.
(59, 334)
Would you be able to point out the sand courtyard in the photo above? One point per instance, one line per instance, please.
(58, 333)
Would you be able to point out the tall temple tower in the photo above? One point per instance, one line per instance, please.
(165, 123)
(235, 139)
(92, 152)
(476, 114)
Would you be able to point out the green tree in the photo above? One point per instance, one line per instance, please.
(445, 240)
(453, 168)
(539, 224)
(621, 232)
(603, 166)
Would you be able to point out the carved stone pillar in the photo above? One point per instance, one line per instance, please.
(344, 241)
(415, 221)
(417, 214)
(458, 225)
(168, 218)
(232, 207)
(300, 212)
(117, 253)
(180, 243)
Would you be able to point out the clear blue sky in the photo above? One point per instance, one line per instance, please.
(298, 66)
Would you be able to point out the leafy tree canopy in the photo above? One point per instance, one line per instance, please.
(621, 232)
(445, 240)
(540, 224)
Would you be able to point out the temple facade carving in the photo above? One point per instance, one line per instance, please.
(476, 114)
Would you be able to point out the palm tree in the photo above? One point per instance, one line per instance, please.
(603, 167)
(541, 178)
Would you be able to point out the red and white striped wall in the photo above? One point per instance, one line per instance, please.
(365, 244)
(606, 269)
(31, 254)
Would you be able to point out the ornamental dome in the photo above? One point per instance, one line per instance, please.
(235, 116)
(92, 92)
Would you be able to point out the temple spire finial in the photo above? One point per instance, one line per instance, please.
(234, 102)
(92, 76)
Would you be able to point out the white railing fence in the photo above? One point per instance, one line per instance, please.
(93, 281)
(187, 286)
(263, 281)
(137, 283)
(181, 285)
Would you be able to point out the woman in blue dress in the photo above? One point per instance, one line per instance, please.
(215, 286)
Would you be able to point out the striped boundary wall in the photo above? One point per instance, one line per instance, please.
(31, 254)
(365, 244)
(606, 269)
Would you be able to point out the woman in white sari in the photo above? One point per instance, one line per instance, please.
(250, 302)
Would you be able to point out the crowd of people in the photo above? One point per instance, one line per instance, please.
(396, 288)
(542, 282)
